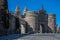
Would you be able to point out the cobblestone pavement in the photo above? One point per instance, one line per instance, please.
(40, 37)
(36, 36)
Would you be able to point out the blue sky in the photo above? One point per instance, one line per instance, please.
(51, 6)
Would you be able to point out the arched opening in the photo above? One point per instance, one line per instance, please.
(42, 28)
(26, 28)
(23, 30)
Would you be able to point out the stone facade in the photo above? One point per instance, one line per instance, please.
(33, 21)
(58, 29)
(12, 27)
(42, 20)
(52, 21)
(31, 18)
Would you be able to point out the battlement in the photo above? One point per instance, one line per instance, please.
(52, 14)
(31, 13)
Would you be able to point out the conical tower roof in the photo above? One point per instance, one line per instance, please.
(25, 9)
(42, 8)
(17, 9)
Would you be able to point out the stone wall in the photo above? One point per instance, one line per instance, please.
(42, 21)
(31, 19)
(52, 21)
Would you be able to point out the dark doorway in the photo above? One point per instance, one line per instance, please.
(26, 27)
(42, 27)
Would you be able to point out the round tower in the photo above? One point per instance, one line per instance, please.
(31, 19)
(52, 21)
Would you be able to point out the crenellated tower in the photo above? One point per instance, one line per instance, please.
(31, 19)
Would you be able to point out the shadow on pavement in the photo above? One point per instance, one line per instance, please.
(13, 36)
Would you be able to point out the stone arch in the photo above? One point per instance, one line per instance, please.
(23, 27)
(42, 28)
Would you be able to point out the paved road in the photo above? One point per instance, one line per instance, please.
(36, 36)
(39, 36)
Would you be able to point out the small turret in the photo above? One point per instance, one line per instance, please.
(42, 8)
(25, 11)
(17, 11)
(42, 11)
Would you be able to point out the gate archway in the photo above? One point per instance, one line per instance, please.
(42, 28)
